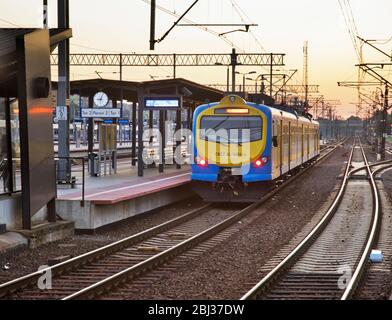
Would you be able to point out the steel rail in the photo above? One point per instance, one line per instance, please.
(353, 283)
(290, 259)
(88, 257)
(286, 263)
(370, 165)
(125, 275)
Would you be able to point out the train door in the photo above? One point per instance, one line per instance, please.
(299, 156)
(281, 145)
(286, 146)
(302, 143)
(293, 144)
(318, 140)
(276, 149)
(289, 148)
(305, 144)
(308, 144)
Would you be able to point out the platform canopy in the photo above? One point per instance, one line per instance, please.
(193, 93)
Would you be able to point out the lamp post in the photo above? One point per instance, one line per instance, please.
(243, 78)
(262, 86)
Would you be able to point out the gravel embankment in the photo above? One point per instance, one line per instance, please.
(17, 263)
(227, 270)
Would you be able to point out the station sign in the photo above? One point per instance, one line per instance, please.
(61, 113)
(162, 102)
(101, 113)
(123, 121)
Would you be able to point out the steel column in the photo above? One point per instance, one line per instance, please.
(10, 176)
(90, 132)
(133, 150)
(64, 170)
(140, 164)
(162, 142)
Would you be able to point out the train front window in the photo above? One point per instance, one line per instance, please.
(231, 129)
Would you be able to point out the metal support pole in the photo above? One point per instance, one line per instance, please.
(189, 115)
(10, 175)
(228, 80)
(140, 164)
(162, 142)
(178, 127)
(121, 91)
(150, 119)
(133, 150)
(83, 177)
(114, 106)
(45, 14)
(152, 24)
(271, 65)
(174, 65)
(90, 132)
(64, 169)
(233, 64)
(384, 122)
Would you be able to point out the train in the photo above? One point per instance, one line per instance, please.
(240, 149)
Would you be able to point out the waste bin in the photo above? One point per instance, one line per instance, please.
(93, 164)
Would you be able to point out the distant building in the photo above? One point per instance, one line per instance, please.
(331, 129)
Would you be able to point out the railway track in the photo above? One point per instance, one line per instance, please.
(377, 276)
(388, 149)
(101, 271)
(329, 261)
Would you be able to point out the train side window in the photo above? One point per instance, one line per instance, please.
(274, 135)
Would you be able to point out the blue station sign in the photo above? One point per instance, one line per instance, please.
(162, 102)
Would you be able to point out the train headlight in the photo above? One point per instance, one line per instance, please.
(201, 162)
(260, 162)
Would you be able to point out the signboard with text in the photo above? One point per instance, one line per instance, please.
(101, 113)
(162, 102)
(61, 113)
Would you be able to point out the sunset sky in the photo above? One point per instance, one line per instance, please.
(283, 25)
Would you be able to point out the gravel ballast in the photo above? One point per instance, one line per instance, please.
(20, 262)
(229, 270)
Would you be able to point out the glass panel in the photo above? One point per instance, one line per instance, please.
(15, 141)
(238, 129)
(3, 149)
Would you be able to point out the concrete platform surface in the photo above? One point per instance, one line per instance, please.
(126, 185)
(11, 241)
(48, 232)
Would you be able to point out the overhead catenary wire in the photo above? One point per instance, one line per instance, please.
(242, 14)
(348, 16)
(351, 26)
(174, 14)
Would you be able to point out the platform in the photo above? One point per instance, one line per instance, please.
(112, 198)
(11, 241)
(47, 232)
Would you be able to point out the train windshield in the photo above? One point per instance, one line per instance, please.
(231, 129)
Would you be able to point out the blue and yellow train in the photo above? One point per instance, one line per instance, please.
(240, 148)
